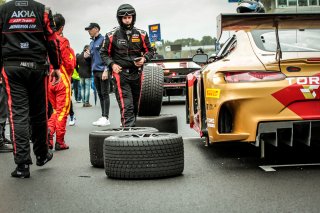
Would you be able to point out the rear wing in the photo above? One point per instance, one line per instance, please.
(252, 21)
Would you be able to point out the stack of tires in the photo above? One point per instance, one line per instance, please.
(141, 152)
(144, 156)
(151, 102)
(137, 153)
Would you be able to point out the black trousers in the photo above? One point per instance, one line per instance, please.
(3, 114)
(27, 99)
(3, 105)
(127, 90)
(102, 87)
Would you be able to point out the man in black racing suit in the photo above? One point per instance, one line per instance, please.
(27, 38)
(124, 51)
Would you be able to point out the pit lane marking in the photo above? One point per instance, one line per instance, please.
(270, 168)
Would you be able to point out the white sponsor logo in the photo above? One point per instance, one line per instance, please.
(19, 26)
(210, 120)
(23, 14)
(315, 80)
(211, 125)
(21, 3)
(24, 45)
(22, 26)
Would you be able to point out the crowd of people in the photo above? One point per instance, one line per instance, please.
(38, 65)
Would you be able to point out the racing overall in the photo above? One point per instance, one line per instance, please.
(122, 47)
(60, 94)
(27, 37)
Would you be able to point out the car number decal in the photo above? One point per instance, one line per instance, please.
(213, 93)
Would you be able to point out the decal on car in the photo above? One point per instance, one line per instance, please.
(211, 123)
(314, 80)
(301, 96)
(309, 91)
(213, 93)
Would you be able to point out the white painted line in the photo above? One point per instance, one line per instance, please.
(267, 168)
(270, 168)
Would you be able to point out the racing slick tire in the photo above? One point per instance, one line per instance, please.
(144, 156)
(163, 122)
(96, 139)
(151, 91)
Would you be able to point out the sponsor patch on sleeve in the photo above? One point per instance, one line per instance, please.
(135, 40)
(213, 93)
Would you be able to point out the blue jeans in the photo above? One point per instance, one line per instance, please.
(85, 89)
(77, 90)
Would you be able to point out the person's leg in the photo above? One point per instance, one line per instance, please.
(136, 89)
(72, 121)
(3, 117)
(105, 96)
(71, 112)
(63, 107)
(76, 89)
(97, 83)
(83, 89)
(87, 90)
(15, 79)
(111, 84)
(37, 92)
(79, 91)
(52, 103)
(125, 101)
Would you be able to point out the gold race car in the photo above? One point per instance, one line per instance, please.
(263, 85)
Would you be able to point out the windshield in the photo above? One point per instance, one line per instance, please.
(290, 40)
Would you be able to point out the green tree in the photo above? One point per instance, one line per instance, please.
(206, 40)
(2, 1)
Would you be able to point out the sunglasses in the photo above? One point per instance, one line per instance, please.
(126, 13)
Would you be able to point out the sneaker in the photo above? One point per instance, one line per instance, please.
(72, 121)
(62, 146)
(6, 148)
(95, 123)
(41, 160)
(22, 171)
(103, 121)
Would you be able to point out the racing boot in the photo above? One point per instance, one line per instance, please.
(41, 160)
(5, 148)
(22, 171)
(3, 135)
(61, 146)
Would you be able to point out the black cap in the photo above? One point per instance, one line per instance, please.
(92, 25)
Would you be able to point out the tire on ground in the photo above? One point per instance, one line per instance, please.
(96, 139)
(151, 91)
(163, 122)
(144, 156)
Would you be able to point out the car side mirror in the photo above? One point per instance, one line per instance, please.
(200, 58)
